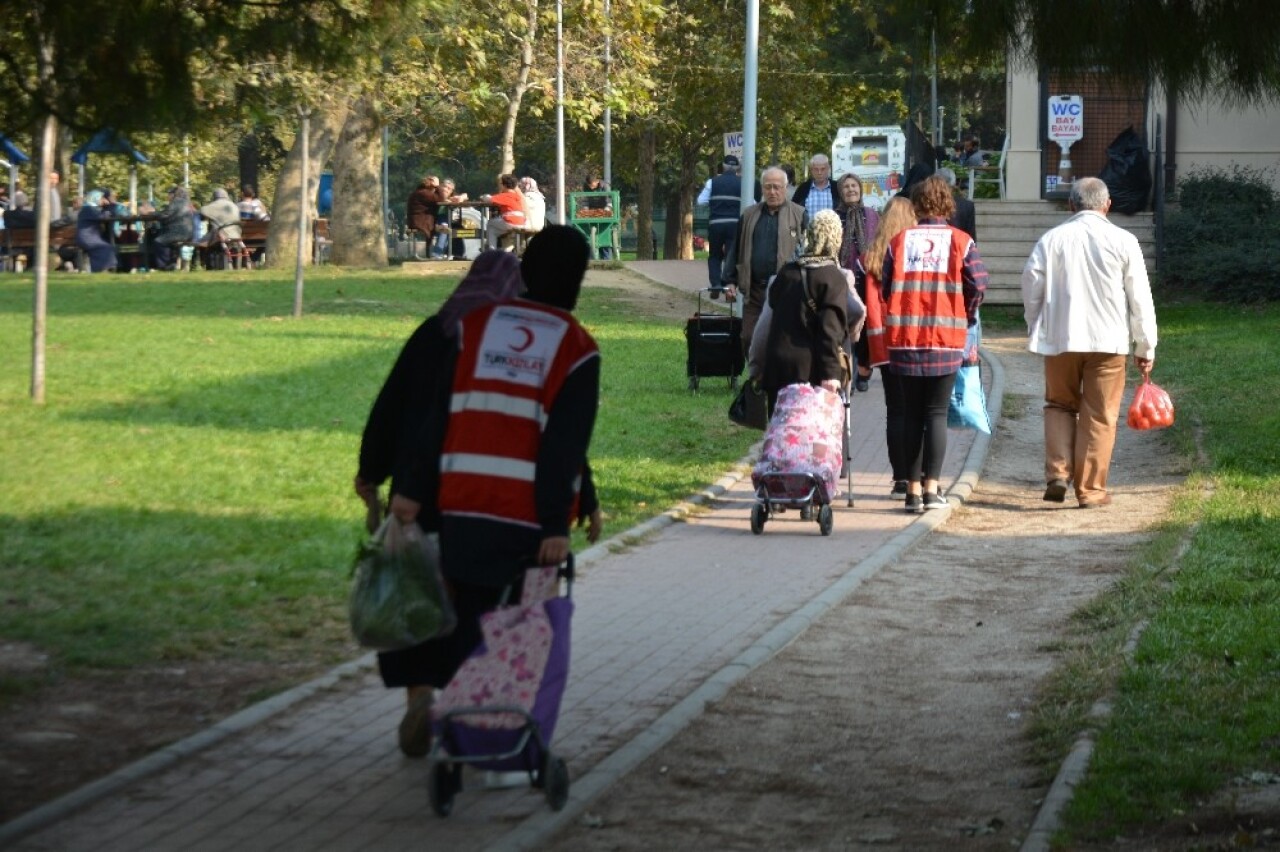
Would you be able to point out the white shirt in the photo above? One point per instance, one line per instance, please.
(704, 197)
(1085, 289)
(535, 211)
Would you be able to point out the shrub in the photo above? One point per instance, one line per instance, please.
(1223, 239)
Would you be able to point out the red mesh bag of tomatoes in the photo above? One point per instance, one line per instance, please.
(1151, 407)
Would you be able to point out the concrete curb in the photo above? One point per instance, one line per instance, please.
(538, 828)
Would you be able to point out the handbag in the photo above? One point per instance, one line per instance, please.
(967, 408)
(398, 598)
(750, 408)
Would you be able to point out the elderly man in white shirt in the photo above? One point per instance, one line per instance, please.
(1087, 303)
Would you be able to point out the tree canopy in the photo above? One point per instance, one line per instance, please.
(1228, 47)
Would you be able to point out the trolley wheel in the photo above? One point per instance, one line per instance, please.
(442, 785)
(825, 520)
(556, 773)
(757, 518)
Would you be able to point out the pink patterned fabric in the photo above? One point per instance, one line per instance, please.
(517, 641)
(804, 436)
(540, 584)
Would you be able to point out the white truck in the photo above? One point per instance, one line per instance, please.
(877, 155)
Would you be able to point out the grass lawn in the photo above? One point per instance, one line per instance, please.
(1198, 706)
(186, 491)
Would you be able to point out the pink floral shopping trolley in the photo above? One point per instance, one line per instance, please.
(499, 711)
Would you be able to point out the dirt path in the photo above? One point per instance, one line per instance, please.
(897, 720)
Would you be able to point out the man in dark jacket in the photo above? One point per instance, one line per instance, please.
(966, 215)
(768, 235)
(817, 193)
(723, 194)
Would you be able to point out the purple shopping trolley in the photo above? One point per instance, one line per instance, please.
(499, 711)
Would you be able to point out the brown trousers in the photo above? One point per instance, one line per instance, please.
(1082, 395)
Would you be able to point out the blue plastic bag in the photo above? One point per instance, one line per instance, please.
(968, 406)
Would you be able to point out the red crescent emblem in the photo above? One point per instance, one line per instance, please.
(528, 339)
(928, 246)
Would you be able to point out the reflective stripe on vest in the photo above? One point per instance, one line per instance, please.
(513, 361)
(726, 198)
(926, 306)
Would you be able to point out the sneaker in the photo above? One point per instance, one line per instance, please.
(862, 384)
(935, 501)
(505, 780)
(1056, 491)
(914, 504)
(899, 488)
(716, 293)
(415, 727)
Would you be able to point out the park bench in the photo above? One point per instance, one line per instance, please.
(21, 242)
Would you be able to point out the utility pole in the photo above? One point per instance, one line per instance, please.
(751, 65)
(933, 87)
(608, 110)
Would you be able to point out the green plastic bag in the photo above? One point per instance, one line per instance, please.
(398, 598)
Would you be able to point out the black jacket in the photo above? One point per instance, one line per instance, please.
(965, 218)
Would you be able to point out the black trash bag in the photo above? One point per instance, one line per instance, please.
(1127, 173)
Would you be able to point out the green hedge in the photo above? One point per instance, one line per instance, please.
(1223, 240)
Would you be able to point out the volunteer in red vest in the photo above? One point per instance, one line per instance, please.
(933, 281)
(512, 437)
(511, 211)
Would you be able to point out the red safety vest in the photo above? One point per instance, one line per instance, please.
(926, 305)
(513, 361)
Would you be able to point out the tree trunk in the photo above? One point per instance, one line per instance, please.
(517, 91)
(282, 238)
(247, 157)
(678, 242)
(644, 213)
(40, 263)
(356, 228)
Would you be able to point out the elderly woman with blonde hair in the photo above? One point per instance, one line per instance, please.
(810, 309)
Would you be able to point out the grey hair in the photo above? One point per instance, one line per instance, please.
(765, 174)
(949, 175)
(819, 159)
(1089, 193)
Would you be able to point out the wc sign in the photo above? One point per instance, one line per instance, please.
(733, 144)
(1066, 119)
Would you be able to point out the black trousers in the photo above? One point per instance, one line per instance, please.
(924, 426)
(893, 423)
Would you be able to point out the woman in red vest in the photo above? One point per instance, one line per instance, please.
(394, 436)
(933, 281)
(504, 456)
(897, 216)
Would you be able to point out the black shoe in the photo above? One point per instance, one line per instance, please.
(899, 488)
(915, 504)
(1056, 491)
(716, 293)
(935, 501)
(862, 384)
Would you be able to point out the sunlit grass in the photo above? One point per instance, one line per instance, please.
(186, 491)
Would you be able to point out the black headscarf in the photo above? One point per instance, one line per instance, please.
(554, 264)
